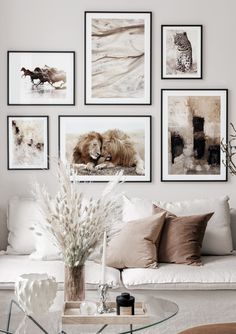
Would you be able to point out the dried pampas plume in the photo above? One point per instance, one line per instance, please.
(77, 224)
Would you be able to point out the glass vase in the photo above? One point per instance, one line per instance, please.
(74, 288)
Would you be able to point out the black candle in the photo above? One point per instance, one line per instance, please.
(125, 304)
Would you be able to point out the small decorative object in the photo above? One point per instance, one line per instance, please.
(125, 304)
(126, 146)
(103, 287)
(181, 51)
(41, 78)
(118, 57)
(77, 225)
(103, 307)
(35, 292)
(28, 142)
(88, 308)
(229, 150)
(194, 121)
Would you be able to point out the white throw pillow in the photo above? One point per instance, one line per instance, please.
(46, 249)
(218, 237)
(21, 217)
(136, 208)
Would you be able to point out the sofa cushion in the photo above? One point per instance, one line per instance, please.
(22, 215)
(217, 272)
(15, 265)
(218, 237)
(135, 245)
(181, 238)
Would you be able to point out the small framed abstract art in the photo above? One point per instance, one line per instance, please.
(181, 51)
(98, 149)
(118, 57)
(41, 78)
(194, 122)
(28, 143)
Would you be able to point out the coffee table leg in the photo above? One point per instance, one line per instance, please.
(101, 329)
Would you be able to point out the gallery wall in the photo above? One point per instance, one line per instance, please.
(59, 25)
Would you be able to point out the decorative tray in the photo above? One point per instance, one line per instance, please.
(72, 315)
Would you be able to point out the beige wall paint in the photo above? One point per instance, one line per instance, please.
(59, 25)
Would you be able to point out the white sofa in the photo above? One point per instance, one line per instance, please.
(205, 294)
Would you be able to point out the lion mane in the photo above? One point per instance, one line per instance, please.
(119, 150)
(83, 153)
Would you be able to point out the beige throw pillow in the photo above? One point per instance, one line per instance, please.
(181, 239)
(135, 245)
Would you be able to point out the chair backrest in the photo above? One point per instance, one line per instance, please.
(233, 226)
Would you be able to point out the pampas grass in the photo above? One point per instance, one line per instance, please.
(78, 224)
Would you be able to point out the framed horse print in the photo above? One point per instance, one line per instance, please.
(181, 51)
(118, 57)
(98, 149)
(194, 123)
(41, 78)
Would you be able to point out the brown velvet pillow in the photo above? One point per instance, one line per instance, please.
(182, 237)
(135, 245)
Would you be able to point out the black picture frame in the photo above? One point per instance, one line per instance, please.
(14, 100)
(221, 105)
(46, 155)
(198, 53)
(147, 142)
(89, 100)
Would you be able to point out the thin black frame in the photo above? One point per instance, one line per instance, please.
(85, 57)
(123, 116)
(201, 52)
(162, 130)
(8, 144)
(39, 104)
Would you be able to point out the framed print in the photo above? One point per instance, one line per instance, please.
(28, 143)
(41, 78)
(194, 122)
(181, 51)
(100, 146)
(118, 57)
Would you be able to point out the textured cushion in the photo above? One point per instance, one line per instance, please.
(135, 245)
(181, 238)
(217, 273)
(218, 238)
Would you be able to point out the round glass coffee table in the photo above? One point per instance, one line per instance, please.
(157, 311)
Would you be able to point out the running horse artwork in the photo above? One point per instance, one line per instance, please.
(39, 76)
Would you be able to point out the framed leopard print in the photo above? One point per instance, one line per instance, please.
(181, 51)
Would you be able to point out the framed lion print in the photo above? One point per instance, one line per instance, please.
(41, 78)
(181, 51)
(100, 146)
(118, 57)
(194, 123)
(28, 143)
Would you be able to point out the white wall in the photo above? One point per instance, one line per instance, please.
(59, 25)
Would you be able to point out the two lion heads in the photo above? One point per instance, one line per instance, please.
(95, 151)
